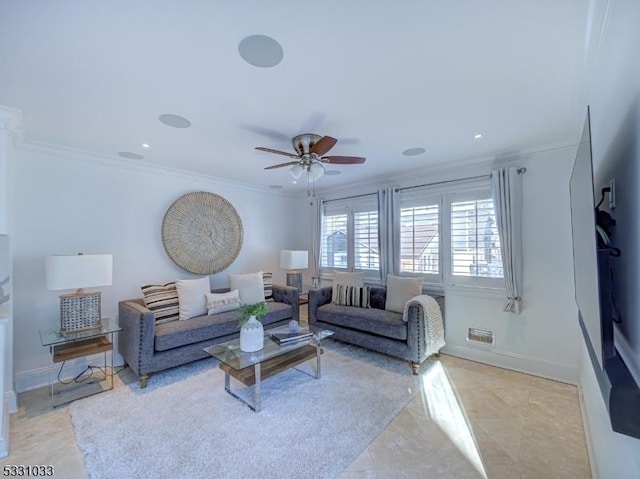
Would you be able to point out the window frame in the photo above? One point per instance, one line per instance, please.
(350, 206)
(446, 196)
(478, 193)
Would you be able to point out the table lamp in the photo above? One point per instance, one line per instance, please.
(293, 261)
(81, 309)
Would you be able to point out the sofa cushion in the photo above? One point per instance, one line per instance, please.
(400, 290)
(202, 328)
(162, 299)
(376, 321)
(192, 296)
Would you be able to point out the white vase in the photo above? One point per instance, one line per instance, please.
(252, 335)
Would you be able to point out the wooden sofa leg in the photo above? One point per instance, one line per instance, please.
(415, 367)
(144, 378)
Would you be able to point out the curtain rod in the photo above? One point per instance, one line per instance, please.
(350, 197)
(397, 190)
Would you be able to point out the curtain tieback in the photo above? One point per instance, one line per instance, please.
(514, 298)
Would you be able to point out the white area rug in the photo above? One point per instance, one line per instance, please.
(184, 424)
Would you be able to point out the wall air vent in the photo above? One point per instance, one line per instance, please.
(482, 336)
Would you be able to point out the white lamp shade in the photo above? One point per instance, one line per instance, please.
(79, 271)
(316, 170)
(296, 171)
(290, 259)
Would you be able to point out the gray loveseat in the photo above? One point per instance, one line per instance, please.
(373, 328)
(148, 347)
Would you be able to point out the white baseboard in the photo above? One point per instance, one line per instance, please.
(565, 373)
(10, 399)
(4, 436)
(586, 426)
(36, 378)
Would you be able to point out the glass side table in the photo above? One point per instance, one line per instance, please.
(80, 344)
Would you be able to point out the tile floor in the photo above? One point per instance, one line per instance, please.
(468, 421)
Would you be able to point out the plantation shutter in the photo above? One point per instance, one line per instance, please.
(475, 243)
(349, 235)
(420, 234)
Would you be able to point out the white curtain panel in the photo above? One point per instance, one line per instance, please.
(315, 241)
(385, 234)
(506, 188)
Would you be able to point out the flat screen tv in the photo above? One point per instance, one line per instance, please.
(594, 293)
(589, 282)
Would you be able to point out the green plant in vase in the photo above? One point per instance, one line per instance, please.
(247, 310)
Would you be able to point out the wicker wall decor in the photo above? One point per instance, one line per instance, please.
(202, 232)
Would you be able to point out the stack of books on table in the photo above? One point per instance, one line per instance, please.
(284, 336)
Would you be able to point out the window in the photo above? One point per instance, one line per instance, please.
(446, 235)
(334, 241)
(450, 237)
(475, 243)
(420, 239)
(349, 234)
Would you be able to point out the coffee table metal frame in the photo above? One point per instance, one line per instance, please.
(251, 368)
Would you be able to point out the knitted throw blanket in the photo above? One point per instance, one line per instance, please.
(432, 317)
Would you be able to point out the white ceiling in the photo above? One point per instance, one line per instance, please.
(379, 76)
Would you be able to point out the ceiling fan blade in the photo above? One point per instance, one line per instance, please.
(277, 152)
(281, 165)
(323, 145)
(343, 160)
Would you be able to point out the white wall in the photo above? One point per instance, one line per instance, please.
(68, 203)
(544, 338)
(614, 96)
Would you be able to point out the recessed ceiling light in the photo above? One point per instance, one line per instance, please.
(477, 136)
(332, 172)
(176, 121)
(275, 187)
(261, 51)
(413, 151)
(146, 145)
(131, 156)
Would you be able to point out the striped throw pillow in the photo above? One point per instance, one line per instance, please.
(162, 299)
(357, 296)
(267, 279)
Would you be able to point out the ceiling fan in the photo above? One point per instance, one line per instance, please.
(310, 150)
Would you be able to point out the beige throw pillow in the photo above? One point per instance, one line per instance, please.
(400, 290)
(222, 302)
(192, 297)
(250, 286)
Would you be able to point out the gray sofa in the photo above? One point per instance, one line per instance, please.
(373, 328)
(148, 347)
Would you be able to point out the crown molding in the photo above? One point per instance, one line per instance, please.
(116, 162)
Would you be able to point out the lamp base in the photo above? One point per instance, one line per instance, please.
(80, 311)
(295, 279)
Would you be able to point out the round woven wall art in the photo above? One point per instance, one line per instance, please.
(202, 232)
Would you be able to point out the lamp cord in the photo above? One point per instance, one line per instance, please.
(86, 374)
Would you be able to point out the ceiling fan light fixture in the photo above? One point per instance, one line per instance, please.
(296, 171)
(316, 171)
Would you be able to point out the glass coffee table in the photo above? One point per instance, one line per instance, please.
(252, 368)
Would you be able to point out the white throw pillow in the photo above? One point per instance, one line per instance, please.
(400, 291)
(250, 286)
(345, 279)
(222, 302)
(192, 294)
